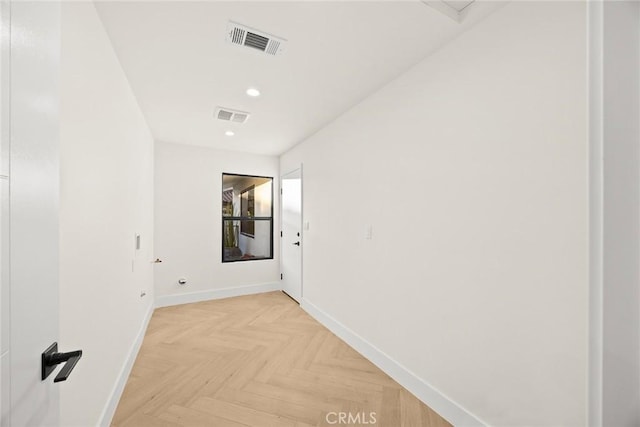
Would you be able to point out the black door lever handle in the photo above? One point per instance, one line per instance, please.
(297, 243)
(51, 358)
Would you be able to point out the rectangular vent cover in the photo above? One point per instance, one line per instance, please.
(230, 115)
(244, 36)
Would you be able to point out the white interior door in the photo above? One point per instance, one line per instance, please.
(291, 241)
(30, 140)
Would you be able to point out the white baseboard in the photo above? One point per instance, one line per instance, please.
(433, 398)
(187, 298)
(165, 301)
(110, 408)
(436, 400)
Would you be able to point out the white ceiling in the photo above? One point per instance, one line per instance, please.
(181, 68)
(458, 5)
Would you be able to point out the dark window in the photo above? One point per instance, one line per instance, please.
(247, 217)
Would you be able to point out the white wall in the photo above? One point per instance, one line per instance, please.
(4, 211)
(188, 220)
(621, 185)
(476, 279)
(106, 198)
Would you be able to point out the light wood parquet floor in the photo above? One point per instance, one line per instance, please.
(262, 361)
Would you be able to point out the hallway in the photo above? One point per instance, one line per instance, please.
(450, 189)
(257, 360)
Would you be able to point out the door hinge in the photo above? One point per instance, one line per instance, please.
(281, 234)
(280, 276)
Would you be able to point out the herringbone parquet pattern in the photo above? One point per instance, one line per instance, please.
(257, 360)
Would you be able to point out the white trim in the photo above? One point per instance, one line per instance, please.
(297, 169)
(302, 230)
(112, 403)
(165, 301)
(236, 291)
(595, 15)
(436, 400)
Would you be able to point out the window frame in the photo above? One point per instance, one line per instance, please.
(245, 218)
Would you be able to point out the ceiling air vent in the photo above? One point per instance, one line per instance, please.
(230, 115)
(244, 36)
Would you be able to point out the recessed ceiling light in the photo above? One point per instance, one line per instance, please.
(252, 91)
(229, 133)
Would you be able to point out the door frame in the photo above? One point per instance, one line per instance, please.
(613, 207)
(282, 175)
